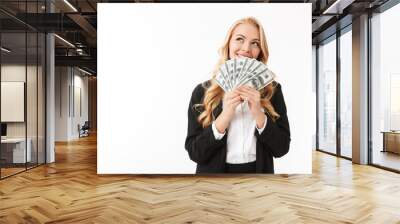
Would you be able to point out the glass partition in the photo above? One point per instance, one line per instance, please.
(32, 95)
(327, 96)
(385, 89)
(13, 103)
(346, 93)
(22, 77)
(41, 86)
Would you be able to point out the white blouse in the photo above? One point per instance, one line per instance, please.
(241, 141)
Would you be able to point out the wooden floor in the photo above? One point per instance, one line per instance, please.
(5, 172)
(70, 191)
(8, 171)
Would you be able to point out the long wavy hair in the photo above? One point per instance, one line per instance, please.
(214, 93)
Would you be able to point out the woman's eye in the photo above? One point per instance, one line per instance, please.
(255, 44)
(239, 39)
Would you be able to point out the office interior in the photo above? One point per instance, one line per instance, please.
(48, 80)
(49, 94)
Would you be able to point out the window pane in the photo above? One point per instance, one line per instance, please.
(327, 96)
(346, 94)
(386, 88)
(41, 98)
(14, 153)
(31, 101)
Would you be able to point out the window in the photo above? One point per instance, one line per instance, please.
(346, 93)
(327, 96)
(23, 74)
(385, 88)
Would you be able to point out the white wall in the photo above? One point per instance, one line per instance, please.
(68, 81)
(61, 103)
(80, 84)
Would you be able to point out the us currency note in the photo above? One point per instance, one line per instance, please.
(221, 82)
(261, 79)
(226, 70)
(242, 67)
(243, 71)
(232, 71)
(247, 73)
(224, 73)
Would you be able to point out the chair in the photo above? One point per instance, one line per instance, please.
(84, 130)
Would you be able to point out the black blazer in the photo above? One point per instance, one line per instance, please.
(210, 154)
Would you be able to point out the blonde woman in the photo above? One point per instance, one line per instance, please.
(242, 130)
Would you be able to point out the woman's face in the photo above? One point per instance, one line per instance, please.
(245, 42)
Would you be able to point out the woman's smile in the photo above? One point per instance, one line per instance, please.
(241, 55)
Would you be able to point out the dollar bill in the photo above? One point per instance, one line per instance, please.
(226, 70)
(242, 66)
(260, 79)
(225, 75)
(221, 82)
(232, 71)
(247, 72)
(243, 71)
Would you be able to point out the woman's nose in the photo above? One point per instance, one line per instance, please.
(246, 47)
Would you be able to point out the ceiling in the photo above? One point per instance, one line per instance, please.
(76, 22)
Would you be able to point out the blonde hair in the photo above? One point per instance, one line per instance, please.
(214, 93)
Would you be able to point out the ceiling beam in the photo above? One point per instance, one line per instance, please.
(85, 61)
(84, 24)
(337, 6)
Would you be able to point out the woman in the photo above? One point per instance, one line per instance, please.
(242, 130)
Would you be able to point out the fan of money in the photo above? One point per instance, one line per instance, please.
(243, 71)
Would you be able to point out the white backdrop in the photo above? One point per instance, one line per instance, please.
(150, 58)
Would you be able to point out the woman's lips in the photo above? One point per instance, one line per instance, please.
(241, 55)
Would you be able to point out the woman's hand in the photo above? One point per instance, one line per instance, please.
(253, 97)
(230, 101)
